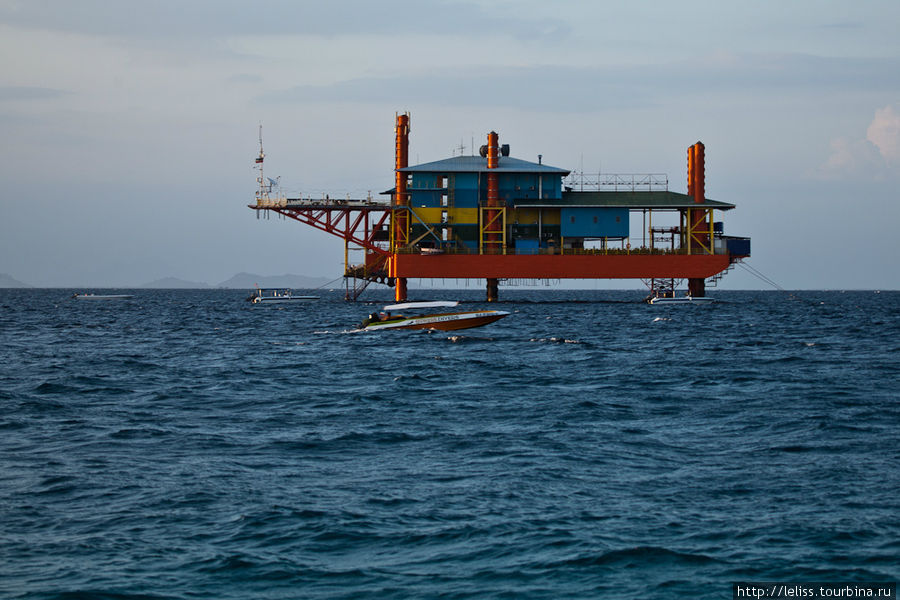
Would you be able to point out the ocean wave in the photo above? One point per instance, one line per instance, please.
(554, 340)
(638, 556)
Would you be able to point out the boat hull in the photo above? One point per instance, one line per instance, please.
(683, 300)
(103, 296)
(442, 322)
(284, 300)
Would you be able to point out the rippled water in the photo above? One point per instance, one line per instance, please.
(186, 444)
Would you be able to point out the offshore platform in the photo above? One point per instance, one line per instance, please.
(498, 218)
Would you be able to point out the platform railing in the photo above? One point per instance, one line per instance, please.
(642, 250)
(614, 182)
(326, 202)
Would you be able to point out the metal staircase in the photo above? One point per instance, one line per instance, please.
(715, 279)
(358, 277)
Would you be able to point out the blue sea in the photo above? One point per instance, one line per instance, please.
(187, 444)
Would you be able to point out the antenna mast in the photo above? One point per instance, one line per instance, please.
(263, 192)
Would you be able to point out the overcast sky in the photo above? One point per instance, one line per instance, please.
(129, 128)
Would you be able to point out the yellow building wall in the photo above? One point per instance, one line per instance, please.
(455, 216)
(469, 216)
(461, 216)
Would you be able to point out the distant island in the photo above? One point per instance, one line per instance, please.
(7, 281)
(169, 283)
(249, 281)
(243, 281)
(239, 281)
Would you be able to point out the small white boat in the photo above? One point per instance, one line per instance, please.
(681, 300)
(277, 297)
(102, 296)
(388, 319)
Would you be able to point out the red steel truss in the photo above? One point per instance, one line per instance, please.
(351, 221)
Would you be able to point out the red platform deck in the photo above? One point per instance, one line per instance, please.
(555, 266)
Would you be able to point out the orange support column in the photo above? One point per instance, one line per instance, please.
(697, 222)
(400, 289)
(493, 195)
(401, 197)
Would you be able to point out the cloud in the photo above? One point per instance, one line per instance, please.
(551, 88)
(884, 133)
(780, 72)
(566, 88)
(852, 158)
(218, 18)
(245, 78)
(13, 93)
(877, 156)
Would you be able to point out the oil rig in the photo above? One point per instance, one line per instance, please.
(494, 217)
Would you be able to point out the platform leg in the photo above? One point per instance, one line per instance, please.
(400, 289)
(493, 292)
(697, 287)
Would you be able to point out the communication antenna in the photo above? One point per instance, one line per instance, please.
(263, 192)
(582, 171)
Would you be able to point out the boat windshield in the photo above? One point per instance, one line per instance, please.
(417, 305)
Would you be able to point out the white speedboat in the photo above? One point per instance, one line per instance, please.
(277, 297)
(102, 296)
(388, 318)
(681, 300)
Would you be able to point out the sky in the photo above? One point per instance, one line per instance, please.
(129, 128)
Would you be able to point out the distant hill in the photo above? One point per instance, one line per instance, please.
(7, 281)
(249, 281)
(169, 283)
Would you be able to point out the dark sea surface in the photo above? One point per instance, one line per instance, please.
(186, 444)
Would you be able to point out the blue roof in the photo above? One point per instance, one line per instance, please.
(476, 164)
